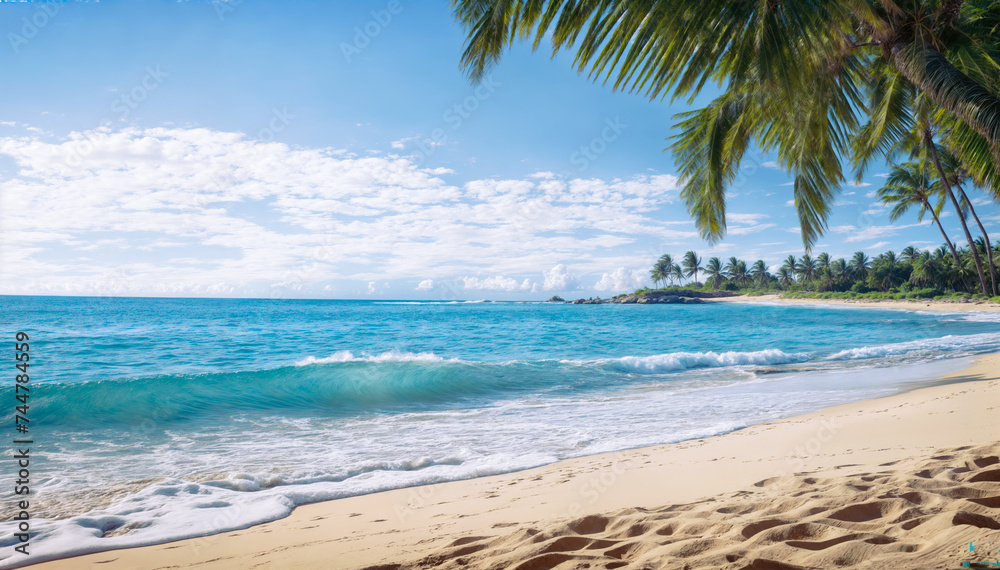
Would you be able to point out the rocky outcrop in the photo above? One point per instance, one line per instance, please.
(679, 297)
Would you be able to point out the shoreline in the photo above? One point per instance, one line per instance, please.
(909, 304)
(479, 519)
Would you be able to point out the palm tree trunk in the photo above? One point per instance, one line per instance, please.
(958, 209)
(947, 240)
(986, 238)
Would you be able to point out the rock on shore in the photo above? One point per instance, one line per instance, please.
(685, 297)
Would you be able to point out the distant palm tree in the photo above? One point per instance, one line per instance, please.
(859, 265)
(889, 272)
(791, 264)
(839, 272)
(909, 185)
(785, 276)
(807, 268)
(659, 272)
(665, 268)
(759, 273)
(823, 262)
(736, 270)
(925, 271)
(714, 272)
(677, 273)
(908, 254)
(692, 265)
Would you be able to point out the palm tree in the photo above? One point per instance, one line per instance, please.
(785, 276)
(925, 271)
(664, 267)
(692, 265)
(760, 274)
(661, 270)
(817, 58)
(736, 270)
(908, 254)
(839, 272)
(791, 264)
(807, 268)
(859, 266)
(676, 273)
(714, 272)
(908, 122)
(909, 185)
(823, 263)
(958, 177)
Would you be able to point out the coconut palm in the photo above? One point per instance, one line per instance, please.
(806, 268)
(661, 270)
(793, 73)
(664, 267)
(909, 125)
(736, 271)
(714, 272)
(676, 273)
(692, 265)
(785, 276)
(791, 264)
(909, 185)
(759, 273)
(925, 271)
(859, 265)
(839, 272)
(823, 263)
(908, 254)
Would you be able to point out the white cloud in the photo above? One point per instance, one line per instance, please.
(401, 143)
(217, 211)
(770, 164)
(621, 279)
(498, 283)
(746, 218)
(790, 203)
(878, 245)
(425, 285)
(558, 279)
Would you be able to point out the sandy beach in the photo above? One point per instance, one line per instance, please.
(911, 304)
(904, 481)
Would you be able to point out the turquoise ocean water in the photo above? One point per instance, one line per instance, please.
(158, 419)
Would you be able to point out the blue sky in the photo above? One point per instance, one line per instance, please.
(336, 150)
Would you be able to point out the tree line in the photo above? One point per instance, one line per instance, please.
(927, 273)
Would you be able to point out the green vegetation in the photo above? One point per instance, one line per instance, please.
(913, 274)
(813, 83)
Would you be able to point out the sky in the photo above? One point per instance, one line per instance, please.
(308, 149)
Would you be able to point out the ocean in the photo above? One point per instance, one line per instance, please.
(160, 419)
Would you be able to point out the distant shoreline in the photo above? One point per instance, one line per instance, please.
(909, 304)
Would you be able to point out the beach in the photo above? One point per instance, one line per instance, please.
(910, 304)
(904, 481)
